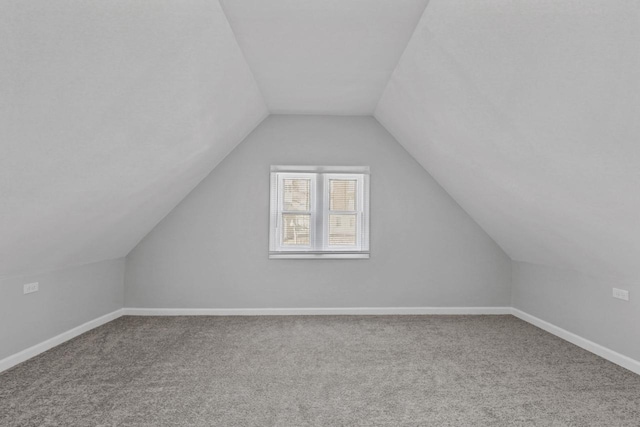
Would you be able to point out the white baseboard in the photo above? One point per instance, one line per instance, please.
(35, 350)
(13, 360)
(604, 352)
(313, 311)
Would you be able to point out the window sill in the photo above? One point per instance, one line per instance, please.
(318, 255)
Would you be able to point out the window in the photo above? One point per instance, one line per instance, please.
(319, 212)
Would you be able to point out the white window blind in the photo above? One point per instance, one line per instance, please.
(319, 212)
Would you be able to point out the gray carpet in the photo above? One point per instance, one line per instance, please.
(319, 371)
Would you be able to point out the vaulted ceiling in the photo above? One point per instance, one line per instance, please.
(111, 113)
(323, 56)
(525, 111)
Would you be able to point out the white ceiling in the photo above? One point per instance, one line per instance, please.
(323, 57)
(111, 112)
(528, 113)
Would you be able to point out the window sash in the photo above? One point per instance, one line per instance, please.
(281, 212)
(358, 211)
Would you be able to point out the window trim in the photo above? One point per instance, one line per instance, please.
(319, 213)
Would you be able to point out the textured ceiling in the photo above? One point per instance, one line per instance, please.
(323, 57)
(111, 112)
(527, 112)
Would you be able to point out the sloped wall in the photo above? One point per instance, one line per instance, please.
(211, 251)
(111, 113)
(526, 112)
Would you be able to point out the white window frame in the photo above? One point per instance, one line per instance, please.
(319, 212)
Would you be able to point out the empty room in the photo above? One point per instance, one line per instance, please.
(320, 213)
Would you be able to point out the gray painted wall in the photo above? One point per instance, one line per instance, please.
(580, 304)
(211, 251)
(66, 299)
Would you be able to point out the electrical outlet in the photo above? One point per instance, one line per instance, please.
(30, 288)
(621, 294)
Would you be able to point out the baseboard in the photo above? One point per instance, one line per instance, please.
(313, 311)
(13, 360)
(604, 352)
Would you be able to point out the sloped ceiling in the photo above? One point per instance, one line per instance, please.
(111, 112)
(323, 57)
(528, 113)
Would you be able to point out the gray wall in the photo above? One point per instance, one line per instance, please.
(212, 250)
(66, 299)
(580, 304)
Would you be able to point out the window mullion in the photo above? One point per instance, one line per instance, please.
(319, 214)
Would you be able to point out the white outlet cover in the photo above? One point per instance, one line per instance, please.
(31, 287)
(621, 294)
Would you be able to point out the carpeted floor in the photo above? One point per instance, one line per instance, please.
(319, 371)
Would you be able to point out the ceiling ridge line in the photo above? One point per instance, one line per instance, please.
(244, 56)
(413, 34)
